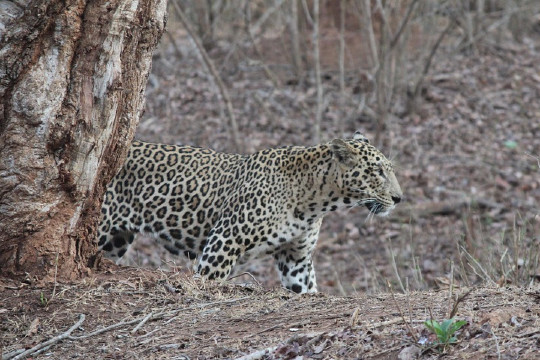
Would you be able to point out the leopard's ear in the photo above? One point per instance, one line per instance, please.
(342, 153)
(359, 136)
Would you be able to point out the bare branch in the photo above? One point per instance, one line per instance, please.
(140, 324)
(342, 47)
(317, 60)
(174, 44)
(256, 29)
(403, 24)
(371, 34)
(427, 64)
(215, 75)
(247, 21)
(342, 96)
(295, 39)
(307, 13)
(52, 341)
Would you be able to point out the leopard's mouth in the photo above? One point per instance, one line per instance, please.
(377, 208)
(374, 207)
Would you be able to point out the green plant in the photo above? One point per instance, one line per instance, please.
(445, 331)
(43, 299)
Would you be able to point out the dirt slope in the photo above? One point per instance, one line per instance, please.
(188, 319)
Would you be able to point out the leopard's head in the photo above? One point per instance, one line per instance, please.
(365, 176)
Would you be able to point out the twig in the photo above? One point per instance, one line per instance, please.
(149, 333)
(385, 72)
(55, 273)
(392, 322)
(175, 312)
(316, 56)
(371, 34)
(306, 12)
(386, 23)
(342, 48)
(408, 294)
(247, 19)
(295, 39)
(143, 321)
(403, 24)
(170, 320)
(259, 354)
(527, 334)
(222, 302)
(11, 354)
(40, 351)
(411, 331)
(429, 59)
(354, 317)
(451, 289)
(475, 262)
(338, 282)
(394, 266)
(342, 96)
(108, 328)
(473, 39)
(51, 341)
(155, 316)
(263, 331)
(217, 79)
(496, 343)
(534, 157)
(431, 317)
(246, 273)
(177, 51)
(313, 340)
(456, 304)
(378, 355)
(257, 26)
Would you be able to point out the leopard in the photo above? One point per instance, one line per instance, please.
(223, 209)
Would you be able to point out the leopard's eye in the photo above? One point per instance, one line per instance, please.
(381, 172)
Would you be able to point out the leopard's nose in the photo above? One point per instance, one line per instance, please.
(396, 199)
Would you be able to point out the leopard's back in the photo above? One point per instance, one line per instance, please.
(172, 192)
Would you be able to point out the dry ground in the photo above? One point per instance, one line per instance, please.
(156, 315)
(468, 161)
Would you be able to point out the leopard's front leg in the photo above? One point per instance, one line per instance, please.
(295, 265)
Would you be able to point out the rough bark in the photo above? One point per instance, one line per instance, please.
(72, 80)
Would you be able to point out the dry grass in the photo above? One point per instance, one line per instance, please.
(135, 313)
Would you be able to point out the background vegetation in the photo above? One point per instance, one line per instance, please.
(446, 89)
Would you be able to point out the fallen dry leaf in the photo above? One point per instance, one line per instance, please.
(33, 328)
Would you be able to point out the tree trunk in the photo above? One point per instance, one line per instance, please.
(72, 80)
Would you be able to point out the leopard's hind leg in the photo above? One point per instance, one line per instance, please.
(114, 240)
